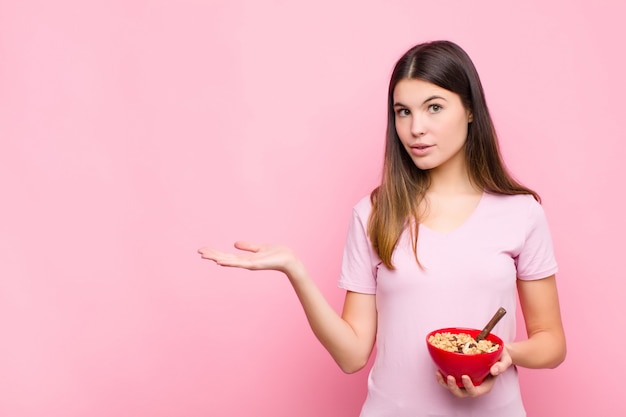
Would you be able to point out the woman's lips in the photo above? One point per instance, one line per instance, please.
(420, 149)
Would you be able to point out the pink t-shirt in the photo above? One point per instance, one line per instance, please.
(468, 274)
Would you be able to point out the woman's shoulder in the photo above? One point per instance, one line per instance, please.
(363, 207)
(523, 201)
(516, 205)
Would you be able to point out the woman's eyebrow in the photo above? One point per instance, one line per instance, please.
(433, 98)
(399, 104)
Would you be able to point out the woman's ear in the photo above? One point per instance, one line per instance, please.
(470, 117)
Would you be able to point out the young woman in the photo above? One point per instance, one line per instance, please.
(445, 240)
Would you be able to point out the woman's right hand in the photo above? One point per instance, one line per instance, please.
(255, 257)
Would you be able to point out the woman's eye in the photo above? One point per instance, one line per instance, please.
(402, 112)
(435, 108)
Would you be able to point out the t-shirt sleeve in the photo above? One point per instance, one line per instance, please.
(359, 265)
(536, 259)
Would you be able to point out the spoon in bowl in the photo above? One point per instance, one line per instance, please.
(494, 320)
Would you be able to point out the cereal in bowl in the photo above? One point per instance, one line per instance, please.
(462, 343)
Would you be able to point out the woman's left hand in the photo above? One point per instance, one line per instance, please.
(469, 390)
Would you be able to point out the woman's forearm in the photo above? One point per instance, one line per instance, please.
(349, 338)
(544, 349)
(348, 348)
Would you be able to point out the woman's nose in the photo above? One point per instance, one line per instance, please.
(417, 126)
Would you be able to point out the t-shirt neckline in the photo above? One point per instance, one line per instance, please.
(463, 225)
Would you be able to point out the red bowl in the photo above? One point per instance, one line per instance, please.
(457, 364)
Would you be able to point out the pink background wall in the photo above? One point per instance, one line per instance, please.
(133, 132)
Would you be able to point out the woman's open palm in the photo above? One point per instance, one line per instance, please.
(253, 257)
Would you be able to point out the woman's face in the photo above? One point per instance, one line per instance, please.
(432, 124)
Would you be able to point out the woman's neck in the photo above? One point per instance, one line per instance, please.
(451, 180)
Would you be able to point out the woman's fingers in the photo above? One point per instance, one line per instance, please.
(247, 246)
(503, 364)
(215, 255)
(208, 253)
(455, 389)
(468, 389)
(449, 383)
(440, 380)
(220, 258)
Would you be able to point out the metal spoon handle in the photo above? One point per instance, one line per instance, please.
(494, 320)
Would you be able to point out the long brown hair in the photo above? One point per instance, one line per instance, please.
(395, 202)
